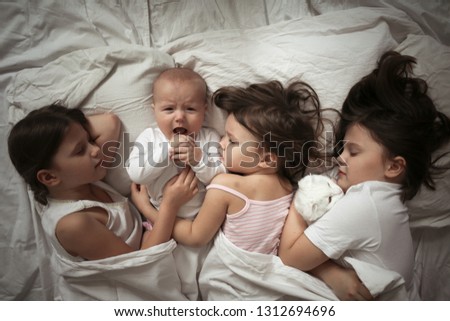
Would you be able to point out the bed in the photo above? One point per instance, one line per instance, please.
(102, 56)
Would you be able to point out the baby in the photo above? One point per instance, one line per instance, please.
(179, 140)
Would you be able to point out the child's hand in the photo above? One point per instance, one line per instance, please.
(141, 199)
(349, 287)
(181, 188)
(184, 151)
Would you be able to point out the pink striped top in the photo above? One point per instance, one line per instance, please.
(257, 227)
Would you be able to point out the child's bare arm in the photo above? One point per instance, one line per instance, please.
(104, 130)
(82, 234)
(295, 248)
(206, 224)
(179, 190)
(344, 282)
(140, 198)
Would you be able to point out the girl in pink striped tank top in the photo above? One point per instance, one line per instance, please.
(270, 138)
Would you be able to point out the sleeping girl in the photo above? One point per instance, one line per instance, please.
(388, 130)
(57, 152)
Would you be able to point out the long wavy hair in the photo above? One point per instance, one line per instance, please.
(395, 108)
(287, 118)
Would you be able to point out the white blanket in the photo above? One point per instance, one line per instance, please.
(230, 273)
(140, 275)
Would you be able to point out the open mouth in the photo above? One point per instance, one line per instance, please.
(180, 131)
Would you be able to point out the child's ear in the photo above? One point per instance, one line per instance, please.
(47, 177)
(396, 167)
(269, 160)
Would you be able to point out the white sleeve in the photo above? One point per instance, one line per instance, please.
(210, 164)
(148, 158)
(351, 224)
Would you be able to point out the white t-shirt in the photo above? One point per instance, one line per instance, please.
(370, 223)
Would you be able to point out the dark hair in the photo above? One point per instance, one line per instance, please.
(35, 139)
(395, 108)
(288, 118)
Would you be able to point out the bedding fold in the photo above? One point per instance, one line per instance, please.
(230, 273)
(140, 275)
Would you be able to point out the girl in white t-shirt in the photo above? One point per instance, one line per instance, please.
(387, 133)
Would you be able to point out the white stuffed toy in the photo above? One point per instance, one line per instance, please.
(316, 194)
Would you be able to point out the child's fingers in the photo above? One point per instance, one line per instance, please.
(135, 187)
(194, 183)
(190, 177)
(192, 180)
(184, 174)
(143, 189)
(178, 140)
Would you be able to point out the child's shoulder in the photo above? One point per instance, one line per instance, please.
(82, 221)
(228, 180)
(257, 187)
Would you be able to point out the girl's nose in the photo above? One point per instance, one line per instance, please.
(341, 159)
(95, 150)
(223, 143)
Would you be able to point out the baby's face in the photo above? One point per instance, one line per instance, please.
(179, 106)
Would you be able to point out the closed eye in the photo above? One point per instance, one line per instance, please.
(80, 149)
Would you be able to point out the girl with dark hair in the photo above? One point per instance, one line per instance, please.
(56, 151)
(388, 131)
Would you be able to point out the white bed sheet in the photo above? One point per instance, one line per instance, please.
(32, 34)
(220, 41)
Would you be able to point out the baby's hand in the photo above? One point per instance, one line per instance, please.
(181, 188)
(184, 151)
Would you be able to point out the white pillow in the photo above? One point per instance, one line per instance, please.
(331, 52)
